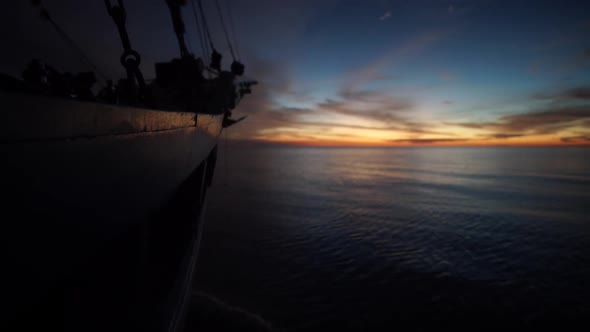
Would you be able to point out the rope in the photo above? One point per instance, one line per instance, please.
(190, 46)
(179, 28)
(200, 31)
(130, 59)
(72, 43)
(233, 29)
(226, 157)
(229, 44)
(205, 25)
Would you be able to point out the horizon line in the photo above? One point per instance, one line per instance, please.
(407, 145)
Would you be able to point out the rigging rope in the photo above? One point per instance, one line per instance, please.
(72, 43)
(200, 31)
(226, 157)
(229, 44)
(130, 59)
(233, 30)
(205, 25)
(190, 46)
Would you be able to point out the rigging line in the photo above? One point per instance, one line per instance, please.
(188, 41)
(229, 44)
(72, 43)
(190, 46)
(226, 157)
(233, 29)
(200, 31)
(205, 25)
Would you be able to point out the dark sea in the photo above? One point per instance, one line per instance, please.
(406, 239)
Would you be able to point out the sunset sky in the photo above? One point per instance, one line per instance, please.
(373, 72)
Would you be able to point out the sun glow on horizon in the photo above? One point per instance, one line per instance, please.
(427, 81)
(345, 131)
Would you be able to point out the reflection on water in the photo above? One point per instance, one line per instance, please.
(360, 238)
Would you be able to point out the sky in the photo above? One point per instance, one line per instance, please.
(361, 73)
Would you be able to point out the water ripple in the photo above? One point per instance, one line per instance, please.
(447, 230)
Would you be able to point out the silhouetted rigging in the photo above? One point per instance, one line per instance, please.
(180, 84)
(179, 28)
(233, 31)
(200, 31)
(66, 38)
(229, 43)
(130, 59)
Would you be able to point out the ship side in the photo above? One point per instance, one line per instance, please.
(103, 209)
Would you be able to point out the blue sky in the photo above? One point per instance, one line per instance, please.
(424, 64)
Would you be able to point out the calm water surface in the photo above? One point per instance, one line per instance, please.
(353, 238)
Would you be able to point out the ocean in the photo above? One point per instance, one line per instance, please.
(311, 238)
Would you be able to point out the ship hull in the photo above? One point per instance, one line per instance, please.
(103, 207)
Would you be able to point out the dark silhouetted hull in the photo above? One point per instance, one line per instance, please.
(102, 209)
